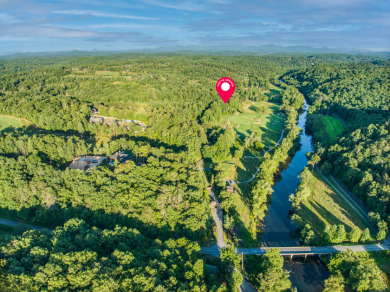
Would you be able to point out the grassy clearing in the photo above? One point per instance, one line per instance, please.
(8, 122)
(98, 142)
(327, 129)
(333, 127)
(269, 123)
(242, 215)
(325, 207)
(239, 170)
(107, 73)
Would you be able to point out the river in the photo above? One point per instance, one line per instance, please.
(305, 275)
(278, 226)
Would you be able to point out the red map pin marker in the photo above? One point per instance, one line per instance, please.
(225, 88)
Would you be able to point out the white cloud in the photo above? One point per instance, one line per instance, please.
(137, 26)
(6, 18)
(101, 14)
(189, 6)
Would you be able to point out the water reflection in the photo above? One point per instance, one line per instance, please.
(278, 227)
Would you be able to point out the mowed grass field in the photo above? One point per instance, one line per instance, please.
(269, 124)
(327, 129)
(325, 207)
(7, 123)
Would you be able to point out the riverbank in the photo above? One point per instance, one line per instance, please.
(278, 227)
(317, 206)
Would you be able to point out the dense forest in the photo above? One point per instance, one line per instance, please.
(135, 225)
(357, 270)
(36, 184)
(360, 158)
(80, 257)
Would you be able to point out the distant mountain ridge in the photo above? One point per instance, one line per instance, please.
(231, 50)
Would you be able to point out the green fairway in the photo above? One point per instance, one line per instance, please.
(326, 129)
(269, 124)
(8, 123)
(324, 207)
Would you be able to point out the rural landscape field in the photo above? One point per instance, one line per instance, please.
(194, 146)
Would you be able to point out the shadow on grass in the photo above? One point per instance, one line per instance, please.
(271, 131)
(251, 165)
(327, 215)
(243, 231)
(352, 215)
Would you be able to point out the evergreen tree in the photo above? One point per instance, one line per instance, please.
(354, 235)
(366, 235)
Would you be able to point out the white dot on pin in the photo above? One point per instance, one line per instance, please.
(225, 86)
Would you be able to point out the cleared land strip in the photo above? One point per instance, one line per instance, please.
(8, 116)
(142, 124)
(346, 197)
(12, 223)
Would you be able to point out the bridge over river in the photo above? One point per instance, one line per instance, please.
(302, 250)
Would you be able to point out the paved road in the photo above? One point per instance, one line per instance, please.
(218, 218)
(217, 215)
(317, 250)
(307, 250)
(12, 223)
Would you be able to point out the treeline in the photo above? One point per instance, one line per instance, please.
(222, 142)
(266, 273)
(81, 257)
(359, 93)
(358, 270)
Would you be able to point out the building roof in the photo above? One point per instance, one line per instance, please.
(86, 162)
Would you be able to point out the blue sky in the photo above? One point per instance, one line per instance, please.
(32, 26)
